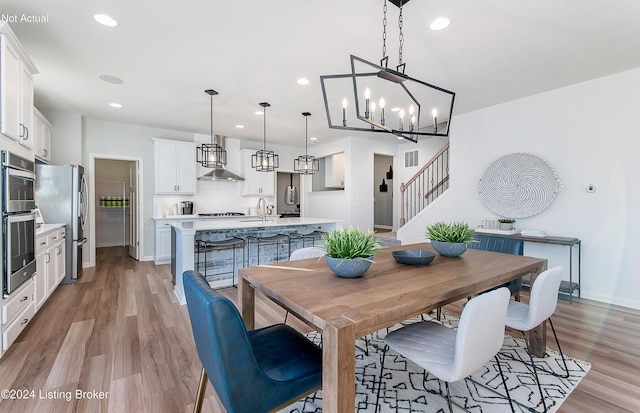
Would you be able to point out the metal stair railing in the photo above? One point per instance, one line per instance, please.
(425, 186)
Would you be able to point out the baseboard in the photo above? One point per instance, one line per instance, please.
(635, 304)
(109, 244)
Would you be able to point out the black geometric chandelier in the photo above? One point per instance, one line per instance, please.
(264, 160)
(306, 164)
(413, 107)
(211, 155)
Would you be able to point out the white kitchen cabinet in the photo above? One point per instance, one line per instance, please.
(175, 167)
(56, 267)
(16, 90)
(17, 311)
(256, 183)
(163, 242)
(26, 107)
(50, 263)
(334, 171)
(42, 265)
(42, 136)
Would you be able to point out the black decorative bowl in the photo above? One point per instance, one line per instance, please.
(413, 257)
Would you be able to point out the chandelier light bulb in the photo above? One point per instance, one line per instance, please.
(367, 95)
(434, 113)
(344, 112)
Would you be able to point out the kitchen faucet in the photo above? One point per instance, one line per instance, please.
(262, 209)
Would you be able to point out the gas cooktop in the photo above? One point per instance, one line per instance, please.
(221, 214)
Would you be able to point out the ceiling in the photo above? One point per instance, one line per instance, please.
(169, 52)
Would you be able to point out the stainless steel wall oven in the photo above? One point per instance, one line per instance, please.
(18, 221)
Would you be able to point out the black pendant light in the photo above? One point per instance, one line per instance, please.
(306, 164)
(264, 160)
(211, 155)
(428, 108)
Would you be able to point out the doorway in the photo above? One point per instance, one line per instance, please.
(116, 198)
(382, 193)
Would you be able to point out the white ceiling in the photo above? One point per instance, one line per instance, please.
(169, 52)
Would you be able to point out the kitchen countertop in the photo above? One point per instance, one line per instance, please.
(45, 228)
(198, 217)
(247, 222)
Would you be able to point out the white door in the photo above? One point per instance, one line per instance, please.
(133, 210)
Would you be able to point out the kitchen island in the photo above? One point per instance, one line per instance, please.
(185, 233)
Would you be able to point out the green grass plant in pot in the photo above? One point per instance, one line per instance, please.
(506, 224)
(349, 251)
(450, 239)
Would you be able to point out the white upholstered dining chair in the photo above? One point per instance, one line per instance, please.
(542, 304)
(451, 355)
(306, 252)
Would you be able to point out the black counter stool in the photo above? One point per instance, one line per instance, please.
(275, 240)
(204, 247)
(310, 238)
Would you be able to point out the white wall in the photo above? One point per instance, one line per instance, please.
(588, 132)
(66, 138)
(110, 139)
(354, 205)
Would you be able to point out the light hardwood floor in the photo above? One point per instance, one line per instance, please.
(121, 331)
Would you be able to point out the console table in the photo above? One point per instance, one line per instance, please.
(566, 287)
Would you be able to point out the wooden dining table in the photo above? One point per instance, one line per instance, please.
(344, 309)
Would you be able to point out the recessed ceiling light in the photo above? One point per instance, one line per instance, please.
(313, 138)
(257, 112)
(240, 126)
(396, 109)
(439, 23)
(115, 105)
(105, 20)
(111, 79)
(303, 81)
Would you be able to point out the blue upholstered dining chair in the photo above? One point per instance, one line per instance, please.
(505, 245)
(498, 244)
(251, 371)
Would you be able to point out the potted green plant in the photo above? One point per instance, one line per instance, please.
(450, 239)
(349, 251)
(506, 224)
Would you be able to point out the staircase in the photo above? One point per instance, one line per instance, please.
(425, 186)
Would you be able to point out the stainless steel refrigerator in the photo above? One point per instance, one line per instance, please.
(62, 196)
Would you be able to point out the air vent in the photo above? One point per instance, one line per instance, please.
(411, 159)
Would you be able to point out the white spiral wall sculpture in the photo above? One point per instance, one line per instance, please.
(518, 185)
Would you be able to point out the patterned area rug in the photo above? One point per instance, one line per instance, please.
(405, 390)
